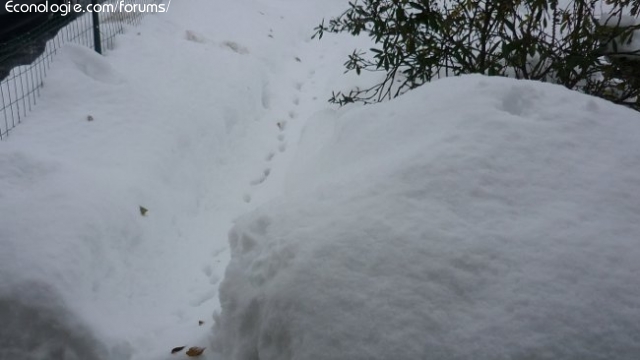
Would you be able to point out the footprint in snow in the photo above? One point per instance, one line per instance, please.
(262, 178)
(270, 156)
(207, 270)
(235, 47)
(265, 96)
(193, 36)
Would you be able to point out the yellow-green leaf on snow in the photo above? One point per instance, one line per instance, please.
(195, 351)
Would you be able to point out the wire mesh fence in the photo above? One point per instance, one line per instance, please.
(26, 58)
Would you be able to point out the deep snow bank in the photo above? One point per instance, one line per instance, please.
(83, 273)
(474, 218)
(192, 116)
(37, 324)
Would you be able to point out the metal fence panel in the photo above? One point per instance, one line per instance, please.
(25, 59)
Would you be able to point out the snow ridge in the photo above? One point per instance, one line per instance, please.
(473, 218)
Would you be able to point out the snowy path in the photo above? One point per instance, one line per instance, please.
(466, 213)
(276, 93)
(195, 117)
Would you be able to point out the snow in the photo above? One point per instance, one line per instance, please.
(186, 128)
(477, 216)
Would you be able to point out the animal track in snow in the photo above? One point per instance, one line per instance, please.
(262, 178)
(235, 47)
(207, 270)
(270, 156)
(193, 36)
(265, 96)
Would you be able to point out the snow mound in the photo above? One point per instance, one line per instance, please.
(91, 64)
(110, 136)
(37, 325)
(474, 218)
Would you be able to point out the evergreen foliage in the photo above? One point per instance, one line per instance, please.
(565, 42)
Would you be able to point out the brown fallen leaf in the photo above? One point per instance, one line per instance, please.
(195, 351)
(177, 349)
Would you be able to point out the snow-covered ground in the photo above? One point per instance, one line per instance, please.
(472, 218)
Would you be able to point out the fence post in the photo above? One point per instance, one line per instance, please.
(97, 44)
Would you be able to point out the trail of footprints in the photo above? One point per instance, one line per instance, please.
(281, 138)
(282, 147)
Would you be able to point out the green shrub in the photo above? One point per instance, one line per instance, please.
(547, 40)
